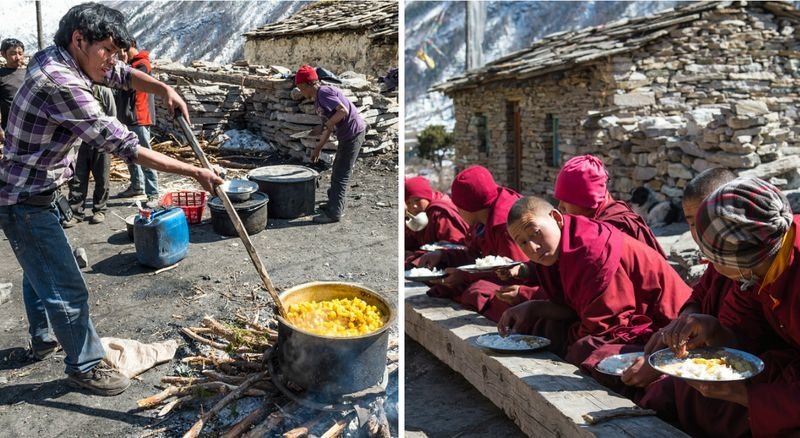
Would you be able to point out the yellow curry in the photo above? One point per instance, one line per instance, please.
(341, 317)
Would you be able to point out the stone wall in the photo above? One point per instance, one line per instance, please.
(723, 90)
(237, 98)
(578, 93)
(336, 51)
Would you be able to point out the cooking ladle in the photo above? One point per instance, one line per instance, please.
(237, 223)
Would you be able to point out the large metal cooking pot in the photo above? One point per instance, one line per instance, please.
(291, 189)
(332, 365)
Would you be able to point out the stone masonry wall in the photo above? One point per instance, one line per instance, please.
(570, 97)
(336, 51)
(231, 98)
(720, 91)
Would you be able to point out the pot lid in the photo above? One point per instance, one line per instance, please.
(283, 173)
(257, 199)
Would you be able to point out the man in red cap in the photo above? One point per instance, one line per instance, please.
(444, 224)
(337, 113)
(581, 190)
(484, 206)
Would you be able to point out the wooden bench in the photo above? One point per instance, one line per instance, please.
(541, 393)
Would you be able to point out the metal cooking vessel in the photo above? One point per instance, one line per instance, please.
(239, 190)
(333, 365)
(291, 189)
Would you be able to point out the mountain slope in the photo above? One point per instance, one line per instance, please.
(177, 30)
(438, 29)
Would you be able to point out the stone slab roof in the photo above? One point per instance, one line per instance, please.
(379, 18)
(566, 50)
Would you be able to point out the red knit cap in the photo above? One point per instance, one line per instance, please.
(418, 187)
(306, 73)
(582, 182)
(474, 189)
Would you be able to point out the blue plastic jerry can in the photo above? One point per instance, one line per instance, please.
(162, 239)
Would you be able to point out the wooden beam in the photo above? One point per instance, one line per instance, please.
(542, 394)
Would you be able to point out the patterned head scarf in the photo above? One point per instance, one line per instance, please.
(743, 223)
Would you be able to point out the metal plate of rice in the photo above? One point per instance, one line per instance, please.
(708, 364)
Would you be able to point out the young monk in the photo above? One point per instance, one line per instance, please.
(483, 205)
(612, 290)
(710, 297)
(581, 190)
(444, 222)
(747, 230)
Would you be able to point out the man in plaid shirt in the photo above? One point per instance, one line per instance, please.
(53, 112)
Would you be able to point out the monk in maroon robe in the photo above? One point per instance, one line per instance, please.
(484, 206)
(661, 393)
(581, 190)
(444, 224)
(747, 230)
(614, 292)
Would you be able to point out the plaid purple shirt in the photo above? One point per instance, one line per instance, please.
(52, 114)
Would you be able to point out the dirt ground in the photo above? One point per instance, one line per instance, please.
(453, 407)
(216, 278)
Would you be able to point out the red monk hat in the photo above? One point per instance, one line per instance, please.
(306, 73)
(418, 187)
(582, 182)
(474, 189)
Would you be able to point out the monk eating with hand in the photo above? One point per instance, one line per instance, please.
(601, 292)
(483, 205)
(441, 222)
(747, 231)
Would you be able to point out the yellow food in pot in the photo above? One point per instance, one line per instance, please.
(341, 317)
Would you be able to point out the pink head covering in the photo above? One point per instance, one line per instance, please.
(582, 182)
(418, 187)
(474, 189)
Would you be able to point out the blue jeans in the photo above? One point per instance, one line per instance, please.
(346, 156)
(55, 294)
(136, 171)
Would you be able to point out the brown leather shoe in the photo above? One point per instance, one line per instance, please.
(101, 380)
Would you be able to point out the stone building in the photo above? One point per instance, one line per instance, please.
(357, 35)
(658, 98)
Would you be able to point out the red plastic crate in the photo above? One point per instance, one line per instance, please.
(190, 201)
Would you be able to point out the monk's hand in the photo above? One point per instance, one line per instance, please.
(656, 342)
(455, 279)
(430, 259)
(735, 392)
(513, 318)
(508, 294)
(507, 274)
(689, 332)
(639, 374)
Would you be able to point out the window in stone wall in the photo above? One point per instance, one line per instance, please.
(482, 132)
(552, 154)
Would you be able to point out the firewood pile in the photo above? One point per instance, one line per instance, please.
(183, 152)
(230, 364)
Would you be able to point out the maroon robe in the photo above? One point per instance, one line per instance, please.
(619, 215)
(620, 291)
(485, 240)
(774, 395)
(674, 400)
(444, 224)
(762, 321)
